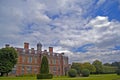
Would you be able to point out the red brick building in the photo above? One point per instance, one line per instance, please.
(29, 61)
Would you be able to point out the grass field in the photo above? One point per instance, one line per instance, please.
(92, 77)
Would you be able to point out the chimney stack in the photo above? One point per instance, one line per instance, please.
(26, 45)
(32, 50)
(50, 49)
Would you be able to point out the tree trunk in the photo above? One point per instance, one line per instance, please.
(6, 74)
(2, 74)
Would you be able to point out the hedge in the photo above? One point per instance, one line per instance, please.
(26, 75)
(44, 76)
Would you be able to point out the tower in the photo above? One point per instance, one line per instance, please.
(39, 47)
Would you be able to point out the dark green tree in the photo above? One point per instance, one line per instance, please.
(44, 70)
(98, 65)
(72, 73)
(8, 58)
(44, 66)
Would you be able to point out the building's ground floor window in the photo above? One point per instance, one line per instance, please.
(29, 69)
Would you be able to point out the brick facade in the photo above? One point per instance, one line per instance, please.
(29, 61)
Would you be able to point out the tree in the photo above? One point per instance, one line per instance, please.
(109, 69)
(98, 66)
(77, 66)
(72, 72)
(85, 72)
(107, 64)
(116, 64)
(44, 70)
(89, 66)
(44, 66)
(8, 58)
(118, 72)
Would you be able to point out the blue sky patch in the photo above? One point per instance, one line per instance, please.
(116, 48)
(108, 8)
(83, 48)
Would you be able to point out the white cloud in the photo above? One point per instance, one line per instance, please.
(100, 22)
(100, 2)
(32, 21)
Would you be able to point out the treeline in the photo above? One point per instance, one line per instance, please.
(96, 67)
(114, 66)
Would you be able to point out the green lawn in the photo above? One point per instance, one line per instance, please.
(92, 77)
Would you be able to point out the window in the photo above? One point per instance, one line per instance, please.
(23, 59)
(22, 69)
(35, 70)
(29, 59)
(23, 51)
(65, 61)
(49, 60)
(54, 68)
(35, 59)
(35, 52)
(14, 70)
(30, 51)
(54, 61)
(58, 61)
(29, 69)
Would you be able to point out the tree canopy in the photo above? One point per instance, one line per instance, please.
(8, 58)
(116, 64)
(89, 66)
(44, 70)
(44, 66)
(77, 67)
(98, 66)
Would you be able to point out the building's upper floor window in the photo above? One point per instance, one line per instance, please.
(54, 61)
(23, 59)
(58, 61)
(23, 51)
(30, 51)
(30, 59)
(35, 52)
(35, 59)
(65, 61)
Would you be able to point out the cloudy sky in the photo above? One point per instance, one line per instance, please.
(85, 30)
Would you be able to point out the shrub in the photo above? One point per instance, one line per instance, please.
(27, 75)
(118, 72)
(44, 76)
(72, 73)
(85, 72)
